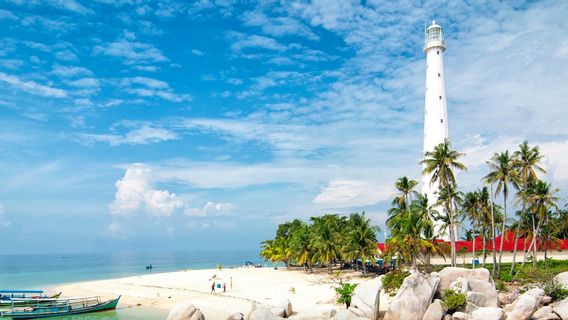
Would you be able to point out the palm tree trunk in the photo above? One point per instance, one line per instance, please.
(515, 250)
(473, 257)
(493, 232)
(484, 245)
(502, 233)
(533, 243)
(364, 268)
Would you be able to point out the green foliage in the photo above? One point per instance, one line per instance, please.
(393, 280)
(454, 300)
(219, 267)
(506, 277)
(500, 285)
(555, 290)
(345, 292)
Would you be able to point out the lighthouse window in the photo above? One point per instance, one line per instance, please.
(438, 52)
(438, 74)
(440, 97)
(441, 120)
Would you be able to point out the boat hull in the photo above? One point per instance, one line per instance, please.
(103, 306)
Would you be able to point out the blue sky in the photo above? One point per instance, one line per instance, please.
(150, 125)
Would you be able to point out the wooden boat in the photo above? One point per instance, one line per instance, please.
(23, 297)
(45, 308)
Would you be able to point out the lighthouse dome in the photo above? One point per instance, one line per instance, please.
(434, 37)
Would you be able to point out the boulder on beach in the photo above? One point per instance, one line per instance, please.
(562, 278)
(258, 312)
(287, 306)
(477, 284)
(185, 311)
(236, 316)
(436, 311)
(413, 297)
(561, 309)
(525, 305)
(366, 298)
(488, 313)
(461, 316)
(545, 313)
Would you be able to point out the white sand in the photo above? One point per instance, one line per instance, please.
(311, 294)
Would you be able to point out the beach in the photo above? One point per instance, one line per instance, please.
(310, 294)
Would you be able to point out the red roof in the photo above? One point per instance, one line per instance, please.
(508, 244)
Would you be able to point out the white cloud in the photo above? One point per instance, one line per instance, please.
(138, 136)
(70, 71)
(278, 26)
(148, 82)
(196, 52)
(210, 209)
(349, 193)
(136, 195)
(32, 86)
(243, 41)
(70, 5)
(131, 52)
(85, 83)
(149, 87)
(7, 15)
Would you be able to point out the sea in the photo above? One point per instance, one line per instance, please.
(42, 271)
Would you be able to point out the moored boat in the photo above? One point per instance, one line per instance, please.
(45, 308)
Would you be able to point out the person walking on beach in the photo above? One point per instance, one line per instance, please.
(213, 287)
(231, 282)
(224, 287)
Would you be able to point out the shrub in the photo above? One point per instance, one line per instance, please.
(220, 267)
(345, 292)
(506, 277)
(555, 290)
(393, 280)
(454, 300)
(500, 285)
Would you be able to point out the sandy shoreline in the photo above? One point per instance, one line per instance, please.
(310, 294)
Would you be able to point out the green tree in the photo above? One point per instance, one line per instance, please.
(362, 239)
(325, 240)
(527, 164)
(440, 164)
(502, 171)
(301, 244)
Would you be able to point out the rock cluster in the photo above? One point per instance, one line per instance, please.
(418, 298)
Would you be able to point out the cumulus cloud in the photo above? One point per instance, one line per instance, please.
(136, 195)
(244, 41)
(210, 209)
(137, 136)
(32, 86)
(349, 193)
(131, 52)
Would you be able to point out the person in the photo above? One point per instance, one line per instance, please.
(213, 287)
(231, 282)
(224, 287)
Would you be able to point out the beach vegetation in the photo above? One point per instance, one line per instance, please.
(454, 300)
(345, 292)
(393, 280)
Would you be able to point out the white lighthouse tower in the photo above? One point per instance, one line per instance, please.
(435, 112)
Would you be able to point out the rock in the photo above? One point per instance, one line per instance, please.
(460, 316)
(451, 274)
(508, 297)
(236, 316)
(460, 285)
(413, 297)
(348, 314)
(470, 307)
(366, 297)
(185, 311)
(525, 305)
(435, 311)
(545, 313)
(287, 306)
(476, 298)
(258, 312)
(546, 300)
(448, 317)
(562, 278)
(488, 313)
(329, 313)
(476, 280)
(278, 311)
(561, 309)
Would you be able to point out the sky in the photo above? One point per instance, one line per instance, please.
(135, 125)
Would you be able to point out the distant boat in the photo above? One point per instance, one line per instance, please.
(45, 308)
(6, 296)
(149, 267)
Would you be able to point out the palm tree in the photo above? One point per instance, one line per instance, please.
(472, 210)
(405, 187)
(440, 163)
(362, 239)
(450, 199)
(303, 250)
(502, 171)
(271, 251)
(486, 220)
(528, 163)
(325, 239)
(541, 198)
(561, 231)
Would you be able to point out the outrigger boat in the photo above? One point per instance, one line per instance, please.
(45, 308)
(23, 297)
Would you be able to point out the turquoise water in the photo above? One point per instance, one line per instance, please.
(41, 271)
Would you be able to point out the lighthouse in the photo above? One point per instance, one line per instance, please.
(435, 111)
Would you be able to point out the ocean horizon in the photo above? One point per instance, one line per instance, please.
(44, 271)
